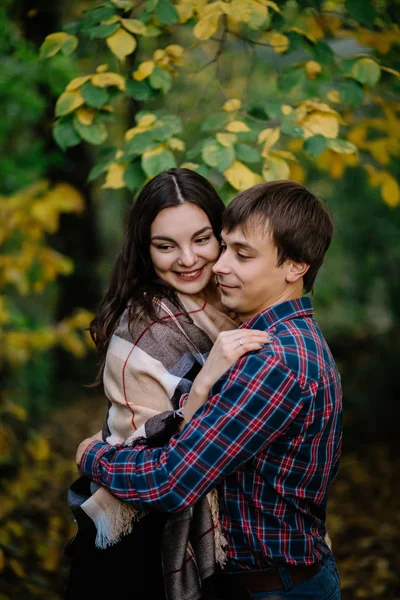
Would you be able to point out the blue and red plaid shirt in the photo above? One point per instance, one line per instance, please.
(269, 438)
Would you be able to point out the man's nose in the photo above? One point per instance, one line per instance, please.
(221, 266)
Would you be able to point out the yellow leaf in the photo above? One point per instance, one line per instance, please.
(286, 109)
(241, 177)
(333, 96)
(390, 191)
(76, 83)
(176, 144)
(68, 102)
(146, 121)
(275, 168)
(102, 69)
(115, 176)
(272, 5)
(231, 105)
(319, 122)
(145, 69)
(108, 79)
(121, 43)
(392, 71)
(134, 26)
(226, 139)
(17, 568)
(297, 173)
(189, 165)
(305, 33)
(270, 136)
(85, 115)
(237, 127)
(278, 41)
(313, 68)
(240, 11)
(185, 11)
(208, 24)
(175, 50)
(39, 449)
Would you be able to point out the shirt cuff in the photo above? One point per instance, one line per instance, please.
(89, 464)
(183, 400)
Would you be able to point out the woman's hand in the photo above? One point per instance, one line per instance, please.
(228, 348)
(97, 437)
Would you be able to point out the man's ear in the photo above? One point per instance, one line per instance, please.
(296, 271)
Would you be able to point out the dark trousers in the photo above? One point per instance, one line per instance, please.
(131, 567)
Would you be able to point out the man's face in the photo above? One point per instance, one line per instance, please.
(248, 276)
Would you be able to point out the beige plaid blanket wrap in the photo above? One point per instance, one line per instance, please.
(148, 368)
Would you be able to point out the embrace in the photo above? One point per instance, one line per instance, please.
(223, 433)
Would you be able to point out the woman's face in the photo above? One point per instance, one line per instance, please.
(183, 247)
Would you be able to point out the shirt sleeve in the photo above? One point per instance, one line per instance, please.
(257, 401)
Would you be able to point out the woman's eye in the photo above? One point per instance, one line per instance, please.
(164, 248)
(202, 240)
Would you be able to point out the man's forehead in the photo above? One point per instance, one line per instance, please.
(251, 234)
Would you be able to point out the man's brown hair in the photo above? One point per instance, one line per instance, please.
(300, 223)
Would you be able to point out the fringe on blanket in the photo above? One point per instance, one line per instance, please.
(113, 519)
(220, 540)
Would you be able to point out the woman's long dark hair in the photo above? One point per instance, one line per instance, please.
(133, 280)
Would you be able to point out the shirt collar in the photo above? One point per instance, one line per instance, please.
(301, 307)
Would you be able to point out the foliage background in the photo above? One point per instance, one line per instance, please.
(242, 91)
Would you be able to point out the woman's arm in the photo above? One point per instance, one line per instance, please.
(228, 348)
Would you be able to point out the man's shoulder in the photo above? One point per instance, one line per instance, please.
(299, 344)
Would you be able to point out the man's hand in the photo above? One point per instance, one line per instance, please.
(83, 445)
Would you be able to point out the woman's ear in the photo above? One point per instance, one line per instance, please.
(296, 271)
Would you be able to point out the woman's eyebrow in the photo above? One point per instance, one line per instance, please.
(168, 239)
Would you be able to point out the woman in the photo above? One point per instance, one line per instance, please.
(154, 329)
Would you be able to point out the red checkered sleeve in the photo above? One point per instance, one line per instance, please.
(255, 403)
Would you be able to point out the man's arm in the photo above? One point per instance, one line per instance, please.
(258, 401)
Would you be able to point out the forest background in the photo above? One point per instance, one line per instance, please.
(99, 97)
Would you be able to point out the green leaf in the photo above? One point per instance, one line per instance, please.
(361, 11)
(196, 150)
(315, 145)
(94, 96)
(153, 31)
(366, 70)
(161, 80)
(94, 16)
(351, 92)
(247, 154)
(103, 31)
(322, 53)
(96, 133)
(65, 134)
(215, 121)
(218, 156)
(342, 146)
(273, 110)
(157, 161)
(166, 127)
(134, 176)
(166, 13)
(292, 130)
(140, 143)
(98, 170)
(139, 90)
(290, 78)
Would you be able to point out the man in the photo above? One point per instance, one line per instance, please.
(269, 435)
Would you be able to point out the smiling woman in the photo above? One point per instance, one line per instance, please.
(184, 258)
(154, 329)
